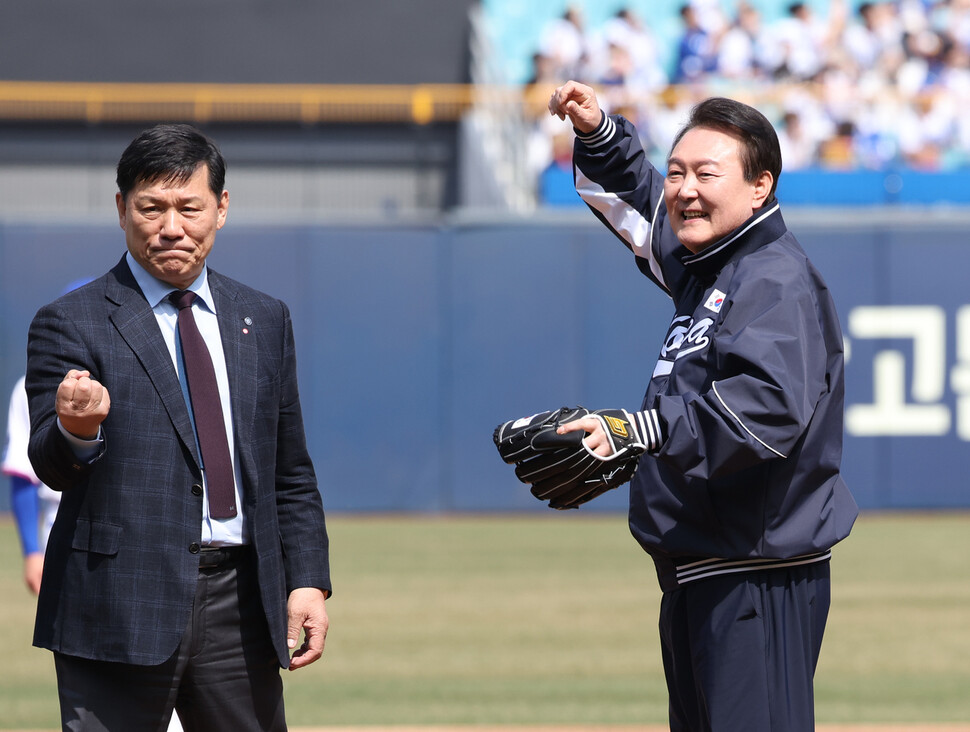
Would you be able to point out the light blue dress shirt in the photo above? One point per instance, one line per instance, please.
(215, 532)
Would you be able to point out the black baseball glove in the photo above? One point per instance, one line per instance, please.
(560, 468)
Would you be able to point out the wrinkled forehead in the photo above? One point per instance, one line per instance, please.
(171, 177)
(188, 180)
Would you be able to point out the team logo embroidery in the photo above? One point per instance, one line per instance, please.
(617, 426)
(684, 338)
(715, 301)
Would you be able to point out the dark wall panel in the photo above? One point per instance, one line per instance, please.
(237, 41)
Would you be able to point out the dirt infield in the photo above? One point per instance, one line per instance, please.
(634, 728)
(614, 728)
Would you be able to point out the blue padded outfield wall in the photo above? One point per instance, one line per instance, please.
(415, 341)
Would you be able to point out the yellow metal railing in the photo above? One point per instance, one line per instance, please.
(202, 103)
(317, 103)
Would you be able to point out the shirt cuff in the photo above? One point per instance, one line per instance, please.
(84, 450)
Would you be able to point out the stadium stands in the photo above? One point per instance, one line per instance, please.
(877, 87)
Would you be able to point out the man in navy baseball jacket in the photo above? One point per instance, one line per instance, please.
(742, 501)
(154, 597)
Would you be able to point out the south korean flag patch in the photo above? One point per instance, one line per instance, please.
(715, 301)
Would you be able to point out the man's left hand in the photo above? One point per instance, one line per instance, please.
(306, 610)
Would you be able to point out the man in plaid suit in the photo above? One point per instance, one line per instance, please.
(150, 602)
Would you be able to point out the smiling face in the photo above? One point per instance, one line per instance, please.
(170, 225)
(705, 191)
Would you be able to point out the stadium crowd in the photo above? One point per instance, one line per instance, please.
(885, 85)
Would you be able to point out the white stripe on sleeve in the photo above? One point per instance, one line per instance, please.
(625, 220)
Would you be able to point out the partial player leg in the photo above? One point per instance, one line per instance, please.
(740, 650)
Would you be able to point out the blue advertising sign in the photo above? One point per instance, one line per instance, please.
(415, 341)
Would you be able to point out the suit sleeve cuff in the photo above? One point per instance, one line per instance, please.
(84, 450)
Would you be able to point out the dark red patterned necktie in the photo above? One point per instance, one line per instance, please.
(210, 426)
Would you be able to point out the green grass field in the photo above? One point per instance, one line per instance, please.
(551, 620)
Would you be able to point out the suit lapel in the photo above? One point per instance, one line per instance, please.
(136, 323)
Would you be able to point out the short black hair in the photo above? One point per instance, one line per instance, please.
(171, 153)
(760, 150)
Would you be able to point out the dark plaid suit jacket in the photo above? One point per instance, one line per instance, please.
(120, 573)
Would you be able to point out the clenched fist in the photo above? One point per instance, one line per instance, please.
(81, 404)
(578, 102)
